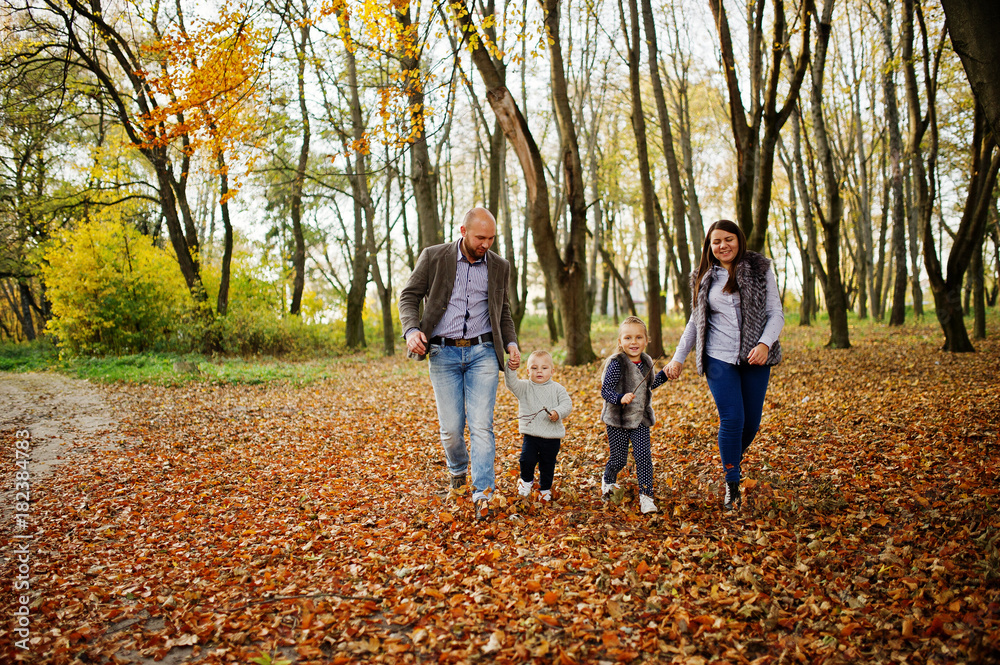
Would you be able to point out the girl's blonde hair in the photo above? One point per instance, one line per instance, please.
(628, 321)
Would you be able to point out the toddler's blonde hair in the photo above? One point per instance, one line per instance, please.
(539, 354)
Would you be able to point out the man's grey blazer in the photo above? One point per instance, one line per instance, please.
(431, 284)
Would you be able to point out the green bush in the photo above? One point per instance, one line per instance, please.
(255, 322)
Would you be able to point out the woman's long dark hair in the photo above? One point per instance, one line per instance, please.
(708, 258)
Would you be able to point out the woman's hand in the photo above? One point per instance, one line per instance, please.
(674, 368)
(758, 354)
(627, 398)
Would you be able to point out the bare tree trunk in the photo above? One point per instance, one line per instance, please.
(620, 281)
(978, 293)
(653, 315)
(358, 176)
(383, 289)
(678, 86)
(833, 287)
(808, 279)
(569, 273)
(755, 151)
(993, 224)
(898, 315)
(672, 268)
(913, 242)
(863, 215)
(810, 306)
(972, 26)
(878, 292)
(422, 172)
(670, 156)
(27, 320)
(947, 287)
(298, 182)
(222, 300)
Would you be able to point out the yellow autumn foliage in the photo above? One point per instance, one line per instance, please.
(112, 291)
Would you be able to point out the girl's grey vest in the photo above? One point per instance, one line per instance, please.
(640, 410)
(751, 276)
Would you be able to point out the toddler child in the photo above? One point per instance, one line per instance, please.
(542, 406)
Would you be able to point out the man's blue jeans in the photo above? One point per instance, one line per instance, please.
(739, 396)
(465, 381)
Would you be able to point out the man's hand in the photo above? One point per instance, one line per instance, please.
(416, 342)
(515, 356)
(553, 416)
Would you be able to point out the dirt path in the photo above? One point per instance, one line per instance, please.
(65, 417)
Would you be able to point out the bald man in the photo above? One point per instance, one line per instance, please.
(465, 328)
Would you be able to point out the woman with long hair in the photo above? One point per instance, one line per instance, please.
(735, 321)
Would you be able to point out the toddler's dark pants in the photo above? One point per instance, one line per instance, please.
(536, 450)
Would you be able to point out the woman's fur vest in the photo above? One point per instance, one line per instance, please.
(751, 277)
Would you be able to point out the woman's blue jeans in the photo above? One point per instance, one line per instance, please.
(465, 381)
(739, 396)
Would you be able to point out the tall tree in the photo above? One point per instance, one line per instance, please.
(299, 25)
(923, 162)
(898, 315)
(947, 286)
(832, 216)
(423, 174)
(568, 270)
(356, 153)
(633, 42)
(679, 82)
(678, 211)
(807, 304)
(972, 27)
(755, 130)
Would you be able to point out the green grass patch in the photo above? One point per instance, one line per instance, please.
(36, 356)
(170, 369)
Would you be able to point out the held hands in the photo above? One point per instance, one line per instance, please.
(627, 398)
(515, 356)
(673, 369)
(416, 342)
(758, 354)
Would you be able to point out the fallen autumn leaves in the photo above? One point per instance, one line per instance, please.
(313, 524)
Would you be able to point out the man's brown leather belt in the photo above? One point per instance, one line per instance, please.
(445, 341)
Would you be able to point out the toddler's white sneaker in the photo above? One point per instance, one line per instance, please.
(646, 504)
(524, 487)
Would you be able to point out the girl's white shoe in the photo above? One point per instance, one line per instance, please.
(646, 504)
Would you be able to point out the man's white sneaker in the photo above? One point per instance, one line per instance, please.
(524, 487)
(646, 504)
(607, 488)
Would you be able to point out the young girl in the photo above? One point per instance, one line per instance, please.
(627, 387)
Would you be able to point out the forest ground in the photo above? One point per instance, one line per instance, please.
(312, 524)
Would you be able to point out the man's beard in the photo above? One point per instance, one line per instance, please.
(472, 252)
